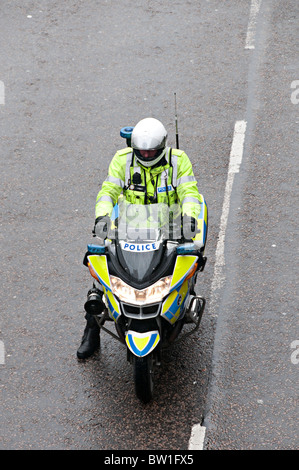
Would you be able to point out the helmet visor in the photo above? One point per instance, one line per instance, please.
(148, 155)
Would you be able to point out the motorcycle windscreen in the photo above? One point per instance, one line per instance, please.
(139, 233)
(140, 260)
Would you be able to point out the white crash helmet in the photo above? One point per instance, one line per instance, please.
(148, 140)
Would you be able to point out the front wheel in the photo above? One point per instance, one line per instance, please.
(144, 377)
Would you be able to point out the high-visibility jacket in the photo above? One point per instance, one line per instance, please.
(171, 182)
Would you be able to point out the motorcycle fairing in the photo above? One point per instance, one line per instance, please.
(183, 265)
(202, 225)
(113, 305)
(141, 344)
(100, 267)
(174, 304)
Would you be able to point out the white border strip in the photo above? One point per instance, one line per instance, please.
(251, 29)
(197, 437)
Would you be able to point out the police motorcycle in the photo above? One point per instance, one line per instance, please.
(147, 271)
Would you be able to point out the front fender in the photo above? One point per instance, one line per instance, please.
(141, 344)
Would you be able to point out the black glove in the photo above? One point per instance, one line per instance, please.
(189, 227)
(101, 226)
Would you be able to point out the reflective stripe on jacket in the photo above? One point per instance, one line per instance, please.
(174, 182)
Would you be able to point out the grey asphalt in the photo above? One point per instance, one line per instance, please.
(254, 399)
(74, 74)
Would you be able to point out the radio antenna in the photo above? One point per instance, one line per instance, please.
(176, 123)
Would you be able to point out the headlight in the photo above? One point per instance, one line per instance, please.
(154, 293)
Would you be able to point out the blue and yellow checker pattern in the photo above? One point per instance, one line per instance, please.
(175, 302)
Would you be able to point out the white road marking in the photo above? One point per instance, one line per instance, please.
(2, 353)
(2, 93)
(197, 437)
(236, 153)
(198, 432)
(235, 161)
(251, 29)
(196, 441)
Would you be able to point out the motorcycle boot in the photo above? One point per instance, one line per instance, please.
(91, 336)
(90, 339)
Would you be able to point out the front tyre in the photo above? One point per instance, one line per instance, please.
(144, 377)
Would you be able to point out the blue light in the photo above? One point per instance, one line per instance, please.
(126, 132)
(186, 248)
(96, 249)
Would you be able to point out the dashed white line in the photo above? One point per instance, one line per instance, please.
(235, 161)
(251, 29)
(236, 153)
(196, 441)
(2, 353)
(2, 93)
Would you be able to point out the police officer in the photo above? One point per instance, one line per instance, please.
(147, 172)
